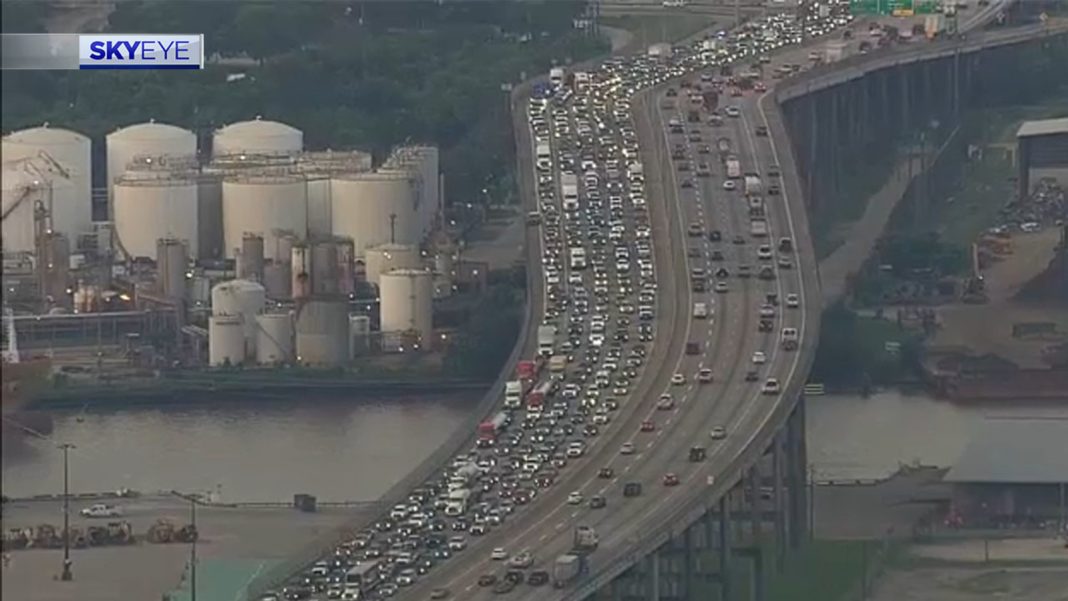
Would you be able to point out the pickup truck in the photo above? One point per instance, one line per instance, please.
(100, 510)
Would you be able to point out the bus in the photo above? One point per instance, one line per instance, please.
(363, 576)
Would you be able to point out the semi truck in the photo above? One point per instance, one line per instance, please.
(933, 25)
(536, 397)
(758, 228)
(752, 185)
(585, 540)
(567, 568)
(577, 256)
(546, 340)
(489, 429)
(513, 394)
(556, 76)
(557, 364)
(569, 191)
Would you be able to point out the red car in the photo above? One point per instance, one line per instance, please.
(760, 87)
(671, 479)
(648, 426)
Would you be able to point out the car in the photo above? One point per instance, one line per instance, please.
(521, 560)
(648, 426)
(686, 183)
(697, 454)
(751, 376)
(761, 131)
(627, 448)
(487, 580)
(718, 433)
(793, 301)
(457, 543)
(732, 111)
(693, 348)
(605, 473)
(771, 386)
(739, 239)
(704, 375)
(101, 510)
(538, 578)
(575, 498)
(767, 310)
(721, 286)
(715, 236)
(671, 479)
(785, 263)
(439, 593)
(499, 554)
(730, 185)
(678, 379)
(764, 252)
(597, 502)
(632, 489)
(694, 229)
(759, 358)
(665, 403)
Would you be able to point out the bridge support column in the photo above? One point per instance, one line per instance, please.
(777, 453)
(755, 506)
(759, 593)
(814, 162)
(906, 93)
(654, 577)
(724, 548)
(615, 589)
(796, 473)
(688, 563)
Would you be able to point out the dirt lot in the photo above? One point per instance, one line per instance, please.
(973, 584)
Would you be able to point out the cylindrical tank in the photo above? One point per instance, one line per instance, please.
(27, 184)
(250, 263)
(319, 214)
(200, 290)
(301, 270)
(374, 208)
(274, 338)
(242, 298)
(324, 277)
(346, 265)
(285, 243)
(261, 204)
(278, 281)
(72, 152)
(226, 340)
(145, 139)
(407, 303)
(257, 137)
(424, 162)
(322, 332)
(172, 262)
(387, 257)
(359, 335)
(164, 206)
(209, 217)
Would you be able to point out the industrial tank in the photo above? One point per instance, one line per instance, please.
(241, 298)
(145, 140)
(257, 137)
(147, 208)
(226, 340)
(423, 161)
(250, 260)
(26, 184)
(387, 257)
(261, 203)
(301, 271)
(172, 262)
(324, 276)
(322, 332)
(277, 280)
(319, 216)
(274, 338)
(367, 206)
(407, 303)
(209, 217)
(319, 168)
(71, 151)
(359, 335)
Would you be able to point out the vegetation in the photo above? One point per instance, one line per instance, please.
(824, 570)
(484, 343)
(369, 75)
(853, 353)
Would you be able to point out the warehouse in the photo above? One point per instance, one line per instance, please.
(1042, 152)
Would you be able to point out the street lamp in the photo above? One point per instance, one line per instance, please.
(66, 575)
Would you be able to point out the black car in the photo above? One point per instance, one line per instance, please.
(504, 586)
(538, 578)
(605, 472)
(715, 236)
(751, 376)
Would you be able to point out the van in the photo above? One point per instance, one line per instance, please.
(700, 310)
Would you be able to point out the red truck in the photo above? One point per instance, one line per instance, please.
(536, 398)
(527, 369)
(490, 429)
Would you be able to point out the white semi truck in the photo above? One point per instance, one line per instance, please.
(752, 185)
(546, 340)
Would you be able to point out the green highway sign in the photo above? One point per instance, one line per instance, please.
(897, 8)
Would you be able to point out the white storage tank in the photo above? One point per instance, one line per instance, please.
(71, 151)
(258, 136)
(226, 340)
(364, 206)
(274, 338)
(242, 298)
(359, 335)
(261, 203)
(387, 257)
(145, 140)
(407, 303)
(423, 161)
(323, 332)
(147, 208)
(27, 183)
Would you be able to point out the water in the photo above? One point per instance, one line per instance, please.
(340, 451)
(336, 451)
(850, 437)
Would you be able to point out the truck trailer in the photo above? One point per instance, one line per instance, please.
(546, 340)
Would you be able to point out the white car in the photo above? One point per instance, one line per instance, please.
(704, 375)
(457, 543)
(771, 386)
(101, 510)
(721, 286)
(759, 358)
(767, 310)
(732, 111)
(521, 560)
(718, 433)
(665, 403)
(764, 253)
(627, 448)
(575, 498)
(678, 379)
(793, 301)
(728, 185)
(499, 554)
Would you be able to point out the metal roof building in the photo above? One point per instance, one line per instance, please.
(1013, 471)
(1042, 146)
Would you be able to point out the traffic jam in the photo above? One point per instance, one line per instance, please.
(593, 343)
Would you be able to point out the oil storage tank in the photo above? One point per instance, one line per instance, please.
(387, 257)
(258, 136)
(423, 161)
(319, 168)
(145, 140)
(27, 184)
(262, 203)
(274, 338)
(226, 340)
(407, 305)
(375, 208)
(241, 298)
(71, 153)
(150, 206)
(323, 332)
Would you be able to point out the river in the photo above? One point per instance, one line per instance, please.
(342, 451)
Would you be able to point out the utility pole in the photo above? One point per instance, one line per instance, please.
(66, 574)
(193, 551)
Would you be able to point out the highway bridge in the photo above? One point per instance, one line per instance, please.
(664, 544)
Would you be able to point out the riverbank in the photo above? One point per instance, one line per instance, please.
(186, 388)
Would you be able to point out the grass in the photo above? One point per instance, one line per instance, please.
(654, 29)
(830, 221)
(822, 571)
